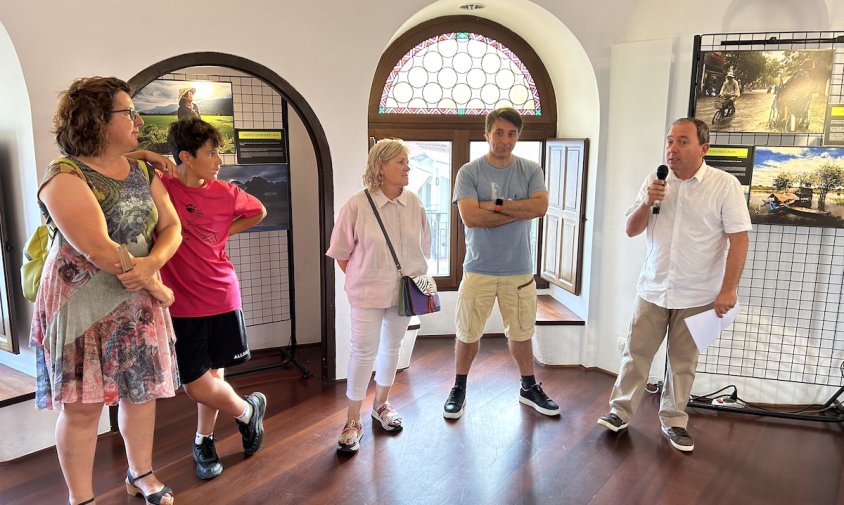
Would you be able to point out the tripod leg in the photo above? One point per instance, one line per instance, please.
(289, 357)
(834, 400)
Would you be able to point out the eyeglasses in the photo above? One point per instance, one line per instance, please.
(133, 114)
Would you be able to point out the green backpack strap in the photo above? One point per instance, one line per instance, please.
(145, 169)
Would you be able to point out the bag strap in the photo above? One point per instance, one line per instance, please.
(381, 224)
(145, 169)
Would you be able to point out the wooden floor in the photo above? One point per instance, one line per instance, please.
(14, 386)
(500, 452)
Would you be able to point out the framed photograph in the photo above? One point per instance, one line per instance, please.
(763, 91)
(162, 102)
(268, 183)
(798, 186)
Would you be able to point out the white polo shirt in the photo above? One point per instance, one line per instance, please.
(687, 241)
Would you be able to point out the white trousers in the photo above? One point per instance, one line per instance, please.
(377, 335)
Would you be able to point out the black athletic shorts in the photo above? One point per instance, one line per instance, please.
(203, 343)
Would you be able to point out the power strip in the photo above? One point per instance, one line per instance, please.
(727, 402)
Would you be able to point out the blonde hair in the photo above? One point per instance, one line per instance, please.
(383, 151)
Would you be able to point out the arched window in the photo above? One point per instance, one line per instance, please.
(432, 88)
(459, 73)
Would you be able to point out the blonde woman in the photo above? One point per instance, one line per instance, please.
(372, 281)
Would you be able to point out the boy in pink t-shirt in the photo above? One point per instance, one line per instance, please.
(207, 315)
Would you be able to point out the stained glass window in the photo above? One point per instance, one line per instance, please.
(459, 73)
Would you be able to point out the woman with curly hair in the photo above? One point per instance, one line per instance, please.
(102, 333)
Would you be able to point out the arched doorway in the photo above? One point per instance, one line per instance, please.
(324, 179)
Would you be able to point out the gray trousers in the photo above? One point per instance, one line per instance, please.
(647, 330)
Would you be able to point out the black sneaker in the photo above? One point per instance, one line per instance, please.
(536, 398)
(208, 464)
(453, 408)
(612, 422)
(680, 438)
(253, 431)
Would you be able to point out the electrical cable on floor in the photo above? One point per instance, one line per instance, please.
(734, 398)
(709, 396)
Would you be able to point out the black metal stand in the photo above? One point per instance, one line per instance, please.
(288, 354)
(288, 357)
(830, 412)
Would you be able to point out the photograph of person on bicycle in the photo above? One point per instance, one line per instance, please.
(730, 91)
(764, 91)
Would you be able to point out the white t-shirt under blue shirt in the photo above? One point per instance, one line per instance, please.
(504, 250)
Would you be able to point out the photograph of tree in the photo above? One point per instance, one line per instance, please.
(798, 186)
(162, 102)
(269, 183)
(764, 91)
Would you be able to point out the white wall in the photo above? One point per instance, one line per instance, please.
(17, 178)
(636, 66)
(329, 55)
(304, 200)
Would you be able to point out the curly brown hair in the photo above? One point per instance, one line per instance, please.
(82, 114)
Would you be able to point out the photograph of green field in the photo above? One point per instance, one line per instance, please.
(163, 101)
(153, 135)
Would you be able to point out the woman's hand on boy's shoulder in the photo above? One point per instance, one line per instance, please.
(158, 161)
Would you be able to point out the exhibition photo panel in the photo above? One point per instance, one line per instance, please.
(164, 101)
(778, 91)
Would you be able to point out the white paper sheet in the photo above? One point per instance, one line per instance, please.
(706, 326)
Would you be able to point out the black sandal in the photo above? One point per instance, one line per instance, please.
(151, 499)
(84, 502)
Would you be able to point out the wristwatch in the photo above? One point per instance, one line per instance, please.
(498, 203)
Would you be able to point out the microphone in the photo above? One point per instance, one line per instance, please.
(661, 174)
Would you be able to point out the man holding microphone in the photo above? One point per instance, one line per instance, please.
(697, 244)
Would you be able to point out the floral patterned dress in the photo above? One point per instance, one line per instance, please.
(95, 341)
